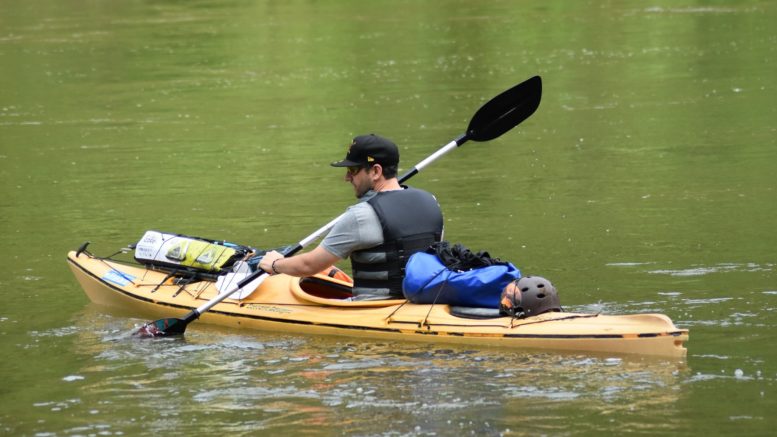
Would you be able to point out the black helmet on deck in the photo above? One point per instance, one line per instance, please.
(529, 296)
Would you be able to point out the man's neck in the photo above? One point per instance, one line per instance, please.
(387, 185)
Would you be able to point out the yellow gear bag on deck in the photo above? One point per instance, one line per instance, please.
(181, 251)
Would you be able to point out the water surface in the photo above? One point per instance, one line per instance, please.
(644, 183)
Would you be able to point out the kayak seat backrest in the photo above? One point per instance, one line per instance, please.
(322, 288)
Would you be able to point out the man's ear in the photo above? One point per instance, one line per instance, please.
(378, 170)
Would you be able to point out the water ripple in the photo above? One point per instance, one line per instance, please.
(719, 268)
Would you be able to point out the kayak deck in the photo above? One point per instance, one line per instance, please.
(315, 306)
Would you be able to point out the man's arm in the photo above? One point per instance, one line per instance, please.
(306, 264)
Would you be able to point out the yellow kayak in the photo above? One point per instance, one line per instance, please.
(316, 305)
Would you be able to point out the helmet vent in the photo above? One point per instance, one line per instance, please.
(541, 296)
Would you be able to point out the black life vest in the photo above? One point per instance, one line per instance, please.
(411, 220)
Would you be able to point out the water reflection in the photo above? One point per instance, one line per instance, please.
(216, 380)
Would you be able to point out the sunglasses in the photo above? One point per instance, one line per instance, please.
(354, 170)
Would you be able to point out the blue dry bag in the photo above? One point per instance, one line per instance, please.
(428, 280)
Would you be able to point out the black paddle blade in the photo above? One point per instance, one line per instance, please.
(506, 110)
(161, 328)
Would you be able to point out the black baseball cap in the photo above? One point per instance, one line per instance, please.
(370, 149)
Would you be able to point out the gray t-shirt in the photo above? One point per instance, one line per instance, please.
(359, 228)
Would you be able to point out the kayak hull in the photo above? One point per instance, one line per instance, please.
(287, 304)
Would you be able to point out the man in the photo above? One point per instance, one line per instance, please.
(390, 223)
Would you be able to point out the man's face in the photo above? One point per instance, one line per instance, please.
(360, 178)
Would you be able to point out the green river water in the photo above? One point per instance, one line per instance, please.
(645, 182)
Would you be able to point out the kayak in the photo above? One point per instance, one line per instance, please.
(319, 305)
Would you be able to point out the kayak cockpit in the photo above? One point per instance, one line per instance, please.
(324, 290)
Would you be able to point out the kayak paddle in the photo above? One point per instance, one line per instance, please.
(494, 118)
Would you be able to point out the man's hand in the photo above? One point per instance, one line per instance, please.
(267, 261)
